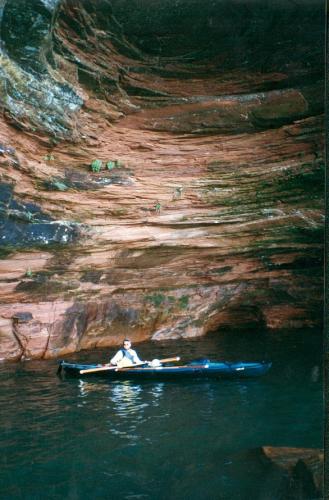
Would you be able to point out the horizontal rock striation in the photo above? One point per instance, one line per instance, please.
(162, 170)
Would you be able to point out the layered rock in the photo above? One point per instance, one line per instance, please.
(161, 171)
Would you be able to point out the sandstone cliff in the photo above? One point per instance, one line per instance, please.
(161, 170)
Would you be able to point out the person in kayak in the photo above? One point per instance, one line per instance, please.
(126, 356)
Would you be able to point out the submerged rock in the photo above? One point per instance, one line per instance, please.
(284, 472)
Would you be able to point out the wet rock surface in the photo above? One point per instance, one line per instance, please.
(23, 225)
(161, 170)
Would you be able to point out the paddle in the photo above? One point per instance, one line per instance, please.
(116, 368)
(159, 361)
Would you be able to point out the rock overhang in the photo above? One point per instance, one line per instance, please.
(210, 121)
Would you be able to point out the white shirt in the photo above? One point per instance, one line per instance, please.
(120, 359)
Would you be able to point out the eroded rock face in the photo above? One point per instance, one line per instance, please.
(161, 170)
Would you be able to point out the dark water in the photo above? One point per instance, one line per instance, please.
(80, 439)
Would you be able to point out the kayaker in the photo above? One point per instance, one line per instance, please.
(126, 356)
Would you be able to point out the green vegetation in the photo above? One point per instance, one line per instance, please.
(157, 207)
(183, 301)
(96, 165)
(158, 299)
(29, 273)
(111, 164)
(49, 157)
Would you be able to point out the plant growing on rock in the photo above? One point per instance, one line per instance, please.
(156, 299)
(49, 157)
(168, 302)
(111, 164)
(157, 207)
(183, 301)
(96, 165)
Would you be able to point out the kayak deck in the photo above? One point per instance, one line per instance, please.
(195, 369)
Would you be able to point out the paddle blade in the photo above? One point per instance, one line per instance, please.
(168, 360)
(98, 369)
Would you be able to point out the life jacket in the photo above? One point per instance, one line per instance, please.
(126, 354)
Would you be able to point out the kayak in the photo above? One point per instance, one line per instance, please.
(201, 368)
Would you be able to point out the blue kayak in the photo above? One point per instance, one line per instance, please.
(195, 369)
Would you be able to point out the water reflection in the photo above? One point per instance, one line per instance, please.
(126, 398)
(128, 402)
(85, 388)
(243, 390)
(156, 392)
